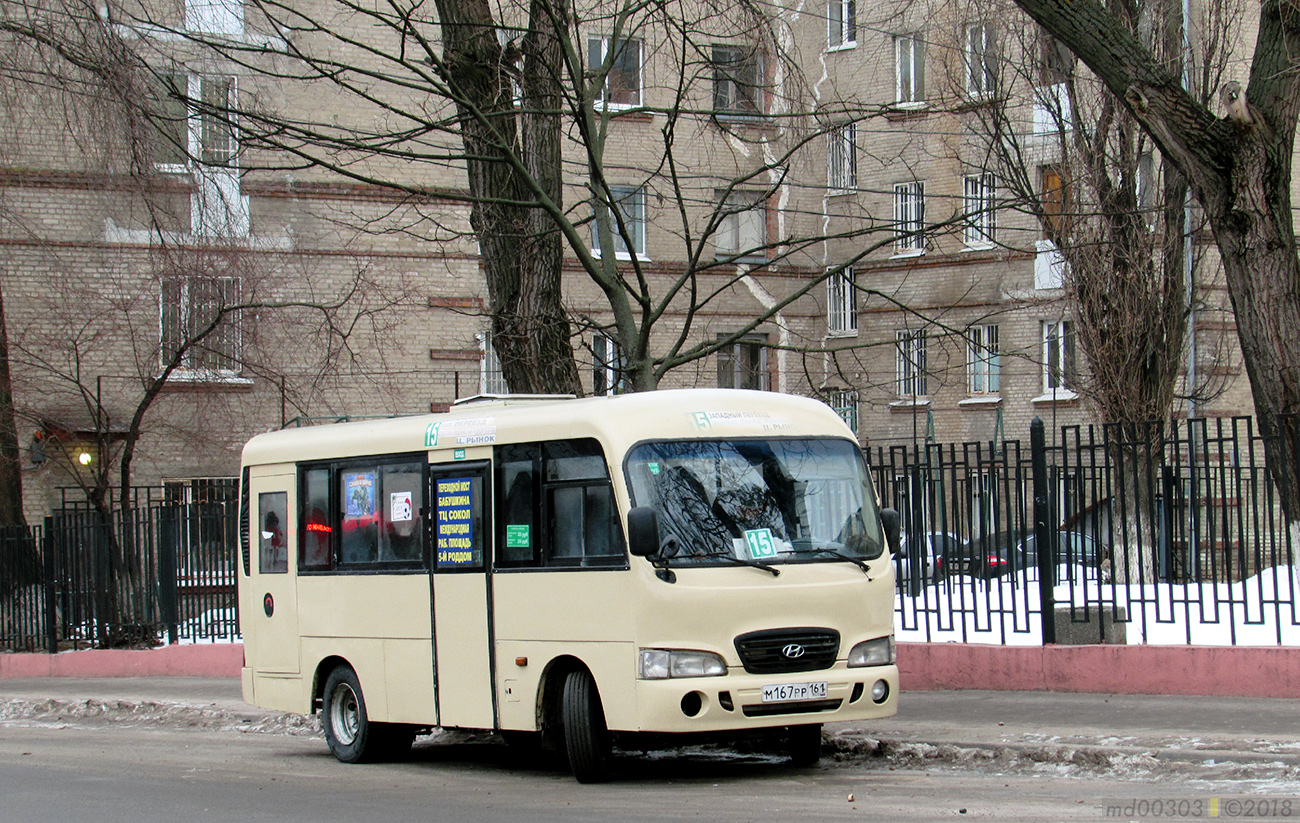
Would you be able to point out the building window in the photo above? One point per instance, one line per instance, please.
(200, 328)
(911, 347)
(845, 404)
(630, 202)
(743, 364)
(1055, 202)
(841, 303)
(909, 217)
(842, 174)
(737, 80)
(909, 62)
(491, 379)
(1056, 62)
(981, 61)
(609, 370)
(983, 364)
(841, 24)
(215, 16)
(1059, 373)
(622, 84)
(742, 225)
(977, 202)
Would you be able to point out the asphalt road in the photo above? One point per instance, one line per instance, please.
(173, 774)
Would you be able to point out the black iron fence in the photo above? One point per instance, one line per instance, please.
(161, 571)
(1161, 534)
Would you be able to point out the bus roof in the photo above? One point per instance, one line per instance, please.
(618, 422)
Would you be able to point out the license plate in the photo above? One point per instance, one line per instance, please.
(794, 691)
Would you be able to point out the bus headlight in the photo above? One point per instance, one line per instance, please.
(878, 652)
(662, 664)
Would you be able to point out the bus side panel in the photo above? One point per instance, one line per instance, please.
(589, 615)
(379, 623)
(268, 608)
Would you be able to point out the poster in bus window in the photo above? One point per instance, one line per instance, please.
(455, 529)
(359, 502)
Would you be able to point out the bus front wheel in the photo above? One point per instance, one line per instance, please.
(351, 735)
(586, 737)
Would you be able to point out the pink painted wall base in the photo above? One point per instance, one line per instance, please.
(1200, 670)
(200, 660)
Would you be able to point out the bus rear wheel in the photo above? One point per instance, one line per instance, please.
(586, 737)
(351, 735)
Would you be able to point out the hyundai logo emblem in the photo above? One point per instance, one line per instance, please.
(793, 651)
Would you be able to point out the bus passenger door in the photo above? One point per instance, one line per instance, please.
(462, 630)
(271, 629)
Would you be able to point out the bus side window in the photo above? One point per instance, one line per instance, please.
(273, 549)
(316, 552)
(518, 543)
(556, 506)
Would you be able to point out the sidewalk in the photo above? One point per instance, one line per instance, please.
(946, 727)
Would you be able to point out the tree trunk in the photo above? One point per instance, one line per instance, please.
(521, 247)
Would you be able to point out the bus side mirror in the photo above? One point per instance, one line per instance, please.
(889, 520)
(643, 531)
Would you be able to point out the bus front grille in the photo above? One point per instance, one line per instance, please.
(806, 707)
(778, 651)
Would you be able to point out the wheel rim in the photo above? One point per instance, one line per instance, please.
(345, 714)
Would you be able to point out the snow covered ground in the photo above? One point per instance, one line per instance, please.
(1258, 611)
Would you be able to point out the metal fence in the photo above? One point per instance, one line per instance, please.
(161, 571)
(1158, 534)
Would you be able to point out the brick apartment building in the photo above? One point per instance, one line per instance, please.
(813, 138)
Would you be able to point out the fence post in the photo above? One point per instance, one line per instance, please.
(1043, 532)
(51, 590)
(168, 549)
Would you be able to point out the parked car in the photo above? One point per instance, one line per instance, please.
(935, 546)
(997, 554)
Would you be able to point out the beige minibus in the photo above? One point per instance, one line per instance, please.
(575, 574)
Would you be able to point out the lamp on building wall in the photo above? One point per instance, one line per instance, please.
(85, 458)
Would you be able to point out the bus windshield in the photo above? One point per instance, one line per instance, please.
(770, 501)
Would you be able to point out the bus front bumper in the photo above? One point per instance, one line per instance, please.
(740, 701)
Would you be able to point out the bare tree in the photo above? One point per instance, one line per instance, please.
(1239, 168)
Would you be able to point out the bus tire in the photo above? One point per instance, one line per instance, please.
(586, 737)
(351, 736)
(804, 745)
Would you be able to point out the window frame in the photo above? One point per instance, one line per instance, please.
(842, 158)
(844, 402)
(543, 558)
(183, 308)
(734, 96)
(601, 98)
(909, 218)
(911, 363)
(911, 94)
(1060, 357)
(609, 374)
(842, 303)
(978, 202)
(841, 25)
(334, 471)
(745, 358)
(736, 206)
(983, 361)
(635, 223)
(491, 377)
(980, 55)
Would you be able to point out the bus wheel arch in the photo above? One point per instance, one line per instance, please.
(351, 735)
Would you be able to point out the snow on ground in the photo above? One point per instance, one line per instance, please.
(1257, 611)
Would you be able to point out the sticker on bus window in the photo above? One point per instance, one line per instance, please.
(759, 542)
(653, 467)
(399, 507)
(517, 537)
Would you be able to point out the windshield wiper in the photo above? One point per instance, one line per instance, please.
(836, 553)
(740, 561)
